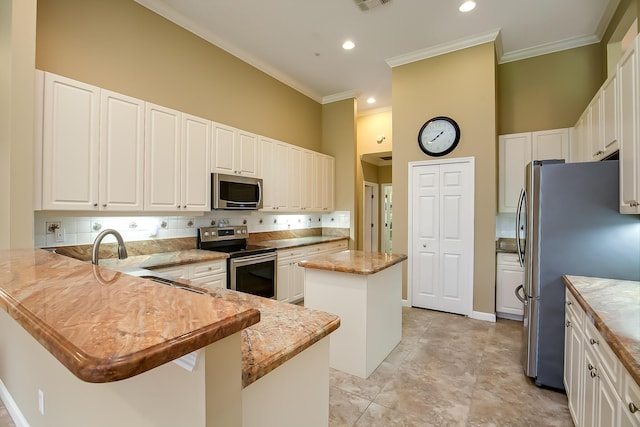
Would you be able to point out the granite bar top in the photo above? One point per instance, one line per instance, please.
(614, 307)
(298, 241)
(354, 262)
(105, 325)
(163, 259)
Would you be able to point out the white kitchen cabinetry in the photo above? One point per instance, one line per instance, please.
(629, 132)
(235, 152)
(70, 144)
(516, 150)
(595, 379)
(603, 125)
(308, 180)
(162, 159)
(509, 276)
(290, 276)
(195, 176)
(209, 274)
(121, 152)
(294, 201)
(275, 180)
(581, 146)
(324, 194)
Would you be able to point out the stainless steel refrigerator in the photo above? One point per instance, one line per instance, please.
(568, 222)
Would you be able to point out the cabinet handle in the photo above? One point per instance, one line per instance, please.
(594, 341)
(633, 408)
(568, 324)
(594, 373)
(590, 366)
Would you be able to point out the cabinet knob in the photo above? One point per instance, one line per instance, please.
(569, 302)
(594, 341)
(568, 323)
(633, 408)
(95, 205)
(424, 246)
(590, 366)
(104, 205)
(594, 373)
(178, 206)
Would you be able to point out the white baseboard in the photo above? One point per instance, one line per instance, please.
(516, 317)
(405, 303)
(16, 415)
(487, 317)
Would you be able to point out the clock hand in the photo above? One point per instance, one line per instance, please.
(438, 135)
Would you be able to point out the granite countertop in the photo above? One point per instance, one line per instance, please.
(163, 259)
(105, 325)
(298, 241)
(355, 262)
(614, 307)
(506, 245)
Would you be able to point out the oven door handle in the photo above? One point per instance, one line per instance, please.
(252, 259)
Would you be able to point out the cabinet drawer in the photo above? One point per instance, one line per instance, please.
(576, 311)
(202, 269)
(212, 281)
(609, 362)
(630, 407)
(510, 260)
(177, 272)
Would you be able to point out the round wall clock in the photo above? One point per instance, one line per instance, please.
(439, 136)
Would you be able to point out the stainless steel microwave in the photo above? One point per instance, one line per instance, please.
(233, 192)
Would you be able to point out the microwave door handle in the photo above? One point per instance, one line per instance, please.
(259, 193)
(518, 216)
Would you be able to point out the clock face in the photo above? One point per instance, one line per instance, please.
(439, 136)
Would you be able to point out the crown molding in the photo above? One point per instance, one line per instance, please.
(443, 48)
(605, 20)
(544, 49)
(177, 18)
(349, 94)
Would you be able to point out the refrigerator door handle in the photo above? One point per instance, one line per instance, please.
(522, 297)
(518, 242)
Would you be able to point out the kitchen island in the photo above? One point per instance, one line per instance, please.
(118, 330)
(365, 290)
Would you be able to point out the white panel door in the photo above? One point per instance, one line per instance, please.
(224, 149)
(514, 154)
(121, 152)
(162, 159)
(441, 230)
(550, 144)
(269, 187)
(70, 148)
(196, 179)
(295, 186)
(247, 155)
(308, 178)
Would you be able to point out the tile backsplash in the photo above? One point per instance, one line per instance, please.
(506, 225)
(82, 230)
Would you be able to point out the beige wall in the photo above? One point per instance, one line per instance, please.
(17, 49)
(385, 174)
(548, 91)
(339, 141)
(124, 47)
(460, 85)
(625, 13)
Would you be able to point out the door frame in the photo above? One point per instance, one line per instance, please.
(375, 238)
(411, 166)
(382, 230)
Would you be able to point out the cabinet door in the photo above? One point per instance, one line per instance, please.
(295, 184)
(629, 405)
(590, 388)
(269, 187)
(283, 280)
(215, 281)
(328, 192)
(320, 182)
(308, 180)
(509, 277)
(607, 410)
(195, 178)
(247, 155)
(162, 158)
(224, 149)
(282, 175)
(121, 152)
(629, 133)
(297, 281)
(597, 144)
(514, 155)
(581, 147)
(70, 149)
(610, 115)
(573, 371)
(550, 144)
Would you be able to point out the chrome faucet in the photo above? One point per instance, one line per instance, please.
(122, 250)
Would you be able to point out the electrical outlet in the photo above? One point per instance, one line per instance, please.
(41, 401)
(59, 235)
(52, 226)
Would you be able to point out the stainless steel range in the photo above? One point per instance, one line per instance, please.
(250, 268)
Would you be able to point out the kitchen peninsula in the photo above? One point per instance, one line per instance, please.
(364, 289)
(115, 332)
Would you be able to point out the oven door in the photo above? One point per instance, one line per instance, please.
(254, 274)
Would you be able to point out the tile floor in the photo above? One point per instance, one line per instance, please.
(448, 370)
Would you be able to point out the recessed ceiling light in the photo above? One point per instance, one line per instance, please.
(467, 6)
(371, 100)
(348, 45)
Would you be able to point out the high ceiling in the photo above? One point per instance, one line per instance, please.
(299, 41)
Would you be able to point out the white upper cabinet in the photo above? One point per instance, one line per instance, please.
(324, 197)
(274, 174)
(581, 146)
(195, 175)
(235, 152)
(308, 180)
(629, 103)
(550, 144)
(514, 153)
(295, 184)
(162, 159)
(121, 152)
(70, 144)
(610, 114)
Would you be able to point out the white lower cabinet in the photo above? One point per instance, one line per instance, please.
(599, 389)
(290, 276)
(509, 275)
(210, 274)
